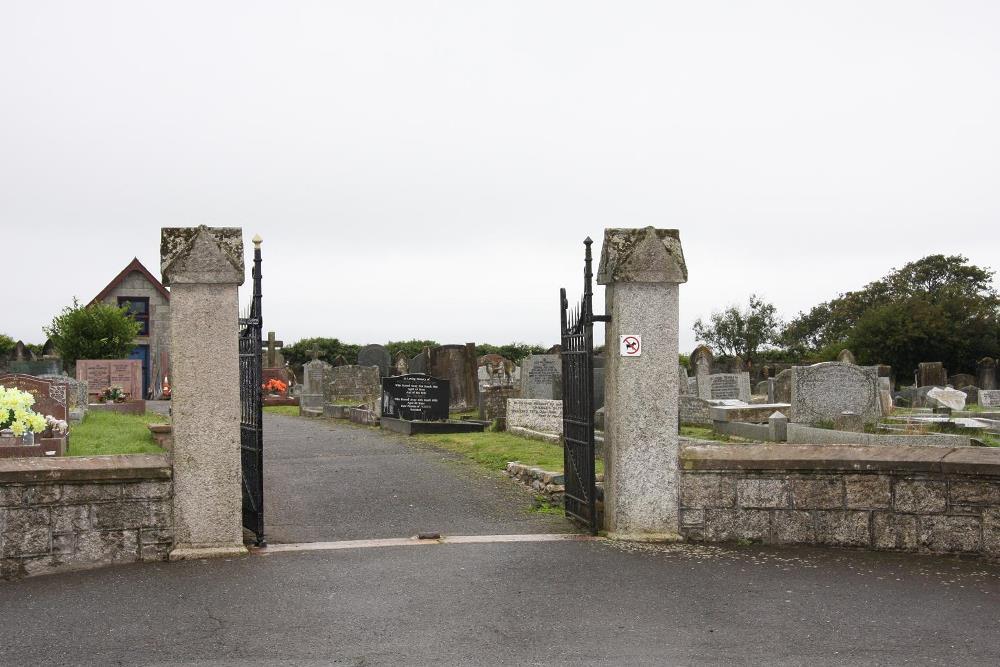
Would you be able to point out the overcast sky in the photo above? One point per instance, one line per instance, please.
(429, 169)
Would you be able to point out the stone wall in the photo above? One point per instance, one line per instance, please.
(74, 513)
(906, 499)
(354, 384)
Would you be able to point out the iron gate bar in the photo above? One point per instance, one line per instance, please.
(252, 409)
(577, 331)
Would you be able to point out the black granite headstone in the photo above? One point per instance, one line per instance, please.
(415, 396)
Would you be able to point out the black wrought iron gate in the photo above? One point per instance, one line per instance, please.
(251, 410)
(577, 325)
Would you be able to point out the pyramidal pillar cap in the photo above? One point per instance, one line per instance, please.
(201, 255)
(642, 255)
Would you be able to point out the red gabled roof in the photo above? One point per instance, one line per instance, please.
(134, 265)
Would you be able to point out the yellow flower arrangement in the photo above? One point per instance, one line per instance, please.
(16, 413)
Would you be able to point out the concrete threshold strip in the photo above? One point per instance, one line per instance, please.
(421, 540)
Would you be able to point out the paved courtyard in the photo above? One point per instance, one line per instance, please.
(558, 602)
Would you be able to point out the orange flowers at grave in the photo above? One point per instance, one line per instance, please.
(275, 386)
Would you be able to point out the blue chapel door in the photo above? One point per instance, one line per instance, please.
(141, 352)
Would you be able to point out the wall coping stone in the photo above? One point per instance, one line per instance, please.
(85, 468)
(858, 458)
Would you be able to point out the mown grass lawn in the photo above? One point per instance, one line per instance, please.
(105, 433)
(287, 410)
(495, 450)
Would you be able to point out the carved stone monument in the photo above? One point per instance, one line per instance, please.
(822, 392)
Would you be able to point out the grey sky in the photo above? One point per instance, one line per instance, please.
(427, 169)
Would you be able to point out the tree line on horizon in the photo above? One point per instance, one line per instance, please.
(938, 308)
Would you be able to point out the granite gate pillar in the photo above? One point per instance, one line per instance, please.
(204, 268)
(641, 269)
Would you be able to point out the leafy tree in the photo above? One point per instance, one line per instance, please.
(98, 331)
(329, 349)
(7, 345)
(410, 348)
(939, 308)
(740, 332)
(513, 351)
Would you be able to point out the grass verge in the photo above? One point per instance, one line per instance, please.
(105, 433)
(495, 450)
(287, 410)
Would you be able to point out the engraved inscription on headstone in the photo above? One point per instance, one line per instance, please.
(989, 398)
(536, 415)
(541, 376)
(820, 393)
(415, 396)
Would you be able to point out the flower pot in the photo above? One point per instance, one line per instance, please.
(28, 439)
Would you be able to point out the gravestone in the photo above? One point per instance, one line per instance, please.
(953, 399)
(885, 371)
(719, 386)
(493, 401)
(315, 375)
(376, 355)
(22, 352)
(986, 373)
(989, 398)
(51, 366)
(421, 362)
(847, 357)
(783, 387)
(102, 374)
(683, 387)
(931, 374)
(415, 397)
(761, 388)
(820, 393)
(457, 364)
(353, 385)
(541, 376)
(401, 365)
(77, 396)
(702, 360)
(538, 415)
(51, 396)
(972, 394)
(962, 380)
(272, 356)
(339, 360)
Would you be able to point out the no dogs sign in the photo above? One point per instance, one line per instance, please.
(630, 345)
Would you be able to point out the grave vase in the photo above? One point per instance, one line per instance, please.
(28, 439)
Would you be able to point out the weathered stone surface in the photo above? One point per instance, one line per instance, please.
(355, 385)
(822, 493)
(26, 532)
(822, 392)
(842, 528)
(991, 531)
(537, 415)
(758, 413)
(376, 355)
(851, 422)
(41, 494)
(783, 387)
(641, 269)
(70, 518)
(894, 531)
(726, 525)
(986, 373)
(989, 398)
(931, 374)
(951, 534)
(921, 497)
(792, 527)
(694, 410)
(458, 364)
(541, 377)
(960, 380)
(722, 386)
(201, 255)
(712, 491)
(949, 398)
(763, 493)
(204, 268)
(867, 491)
(974, 493)
(51, 397)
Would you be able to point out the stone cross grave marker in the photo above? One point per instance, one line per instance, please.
(273, 355)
